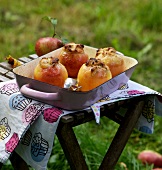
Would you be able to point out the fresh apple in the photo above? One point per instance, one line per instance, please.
(150, 157)
(47, 44)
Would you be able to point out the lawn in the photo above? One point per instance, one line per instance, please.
(132, 27)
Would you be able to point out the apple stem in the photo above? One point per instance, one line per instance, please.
(54, 31)
(53, 21)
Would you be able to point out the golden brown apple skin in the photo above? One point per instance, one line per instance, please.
(55, 74)
(73, 57)
(113, 60)
(115, 63)
(89, 77)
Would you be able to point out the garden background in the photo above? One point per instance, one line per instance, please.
(131, 27)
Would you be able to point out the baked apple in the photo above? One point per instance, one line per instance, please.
(51, 71)
(73, 57)
(113, 60)
(92, 74)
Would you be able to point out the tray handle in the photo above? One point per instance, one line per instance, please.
(27, 91)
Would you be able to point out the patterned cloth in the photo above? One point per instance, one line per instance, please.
(24, 122)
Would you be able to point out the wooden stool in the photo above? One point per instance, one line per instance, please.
(70, 144)
(67, 136)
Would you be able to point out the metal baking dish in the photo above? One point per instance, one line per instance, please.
(62, 97)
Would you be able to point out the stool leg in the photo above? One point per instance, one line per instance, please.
(1, 164)
(121, 137)
(71, 147)
(18, 163)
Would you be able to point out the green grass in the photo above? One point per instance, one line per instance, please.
(132, 27)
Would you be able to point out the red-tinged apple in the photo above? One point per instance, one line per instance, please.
(51, 71)
(151, 158)
(47, 44)
(73, 57)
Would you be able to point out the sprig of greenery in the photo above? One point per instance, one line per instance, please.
(53, 21)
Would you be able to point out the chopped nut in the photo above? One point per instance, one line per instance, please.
(72, 47)
(48, 62)
(75, 88)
